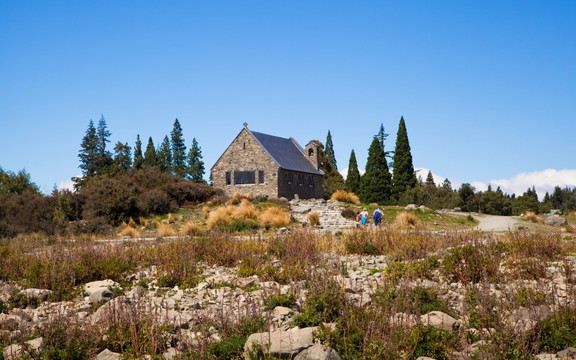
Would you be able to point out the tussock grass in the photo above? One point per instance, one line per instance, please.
(532, 217)
(132, 223)
(221, 216)
(345, 196)
(313, 218)
(143, 222)
(130, 232)
(191, 229)
(237, 198)
(163, 230)
(171, 219)
(275, 217)
(406, 220)
(246, 211)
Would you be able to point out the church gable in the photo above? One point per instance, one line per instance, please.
(259, 164)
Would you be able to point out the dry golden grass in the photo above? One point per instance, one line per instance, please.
(313, 218)
(405, 220)
(532, 217)
(345, 196)
(171, 219)
(275, 217)
(237, 198)
(191, 229)
(143, 221)
(123, 225)
(221, 216)
(132, 223)
(206, 211)
(246, 211)
(130, 232)
(163, 230)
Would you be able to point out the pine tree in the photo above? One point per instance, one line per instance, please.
(195, 171)
(382, 135)
(430, 180)
(403, 176)
(165, 155)
(122, 157)
(178, 150)
(150, 158)
(329, 150)
(104, 157)
(375, 184)
(138, 157)
(353, 177)
(88, 153)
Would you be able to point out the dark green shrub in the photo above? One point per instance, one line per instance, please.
(325, 303)
(229, 348)
(558, 331)
(68, 341)
(471, 263)
(369, 249)
(348, 213)
(433, 342)
(286, 300)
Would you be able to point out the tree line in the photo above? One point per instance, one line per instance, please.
(96, 161)
(401, 186)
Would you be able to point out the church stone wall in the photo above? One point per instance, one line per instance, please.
(245, 154)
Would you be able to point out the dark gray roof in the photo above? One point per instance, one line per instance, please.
(286, 153)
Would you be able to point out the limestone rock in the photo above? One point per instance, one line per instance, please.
(556, 220)
(283, 344)
(568, 353)
(318, 352)
(13, 352)
(440, 320)
(108, 355)
(40, 294)
(99, 291)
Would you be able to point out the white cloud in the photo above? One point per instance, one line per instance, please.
(543, 181)
(66, 185)
(344, 172)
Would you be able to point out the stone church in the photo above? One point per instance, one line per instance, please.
(271, 166)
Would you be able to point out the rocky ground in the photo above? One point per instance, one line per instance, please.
(223, 294)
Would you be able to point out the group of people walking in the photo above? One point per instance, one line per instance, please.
(362, 217)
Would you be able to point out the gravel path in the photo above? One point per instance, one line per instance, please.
(497, 223)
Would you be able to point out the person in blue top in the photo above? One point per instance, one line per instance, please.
(364, 217)
(377, 216)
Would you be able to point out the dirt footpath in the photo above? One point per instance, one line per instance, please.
(497, 223)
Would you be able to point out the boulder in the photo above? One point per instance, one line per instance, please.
(440, 320)
(556, 220)
(99, 291)
(108, 355)
(100, 295)
(547, 357)
(318, 352)
(525, 318)
(283, 344)
(13, 352)
(568, 353)
(40, 294)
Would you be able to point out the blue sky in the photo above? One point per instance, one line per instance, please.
(487, 88)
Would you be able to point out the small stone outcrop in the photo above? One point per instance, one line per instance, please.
(279, 343)
(440, 320)
(318, 352)
(556, 220)
(330, 213)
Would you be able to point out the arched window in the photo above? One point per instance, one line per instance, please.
(310, 152)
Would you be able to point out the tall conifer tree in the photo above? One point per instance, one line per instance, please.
(165, 155)
(104, 156)
(138, 157)
(88, 152)
(150, 158)
(329, 150)
(376, 182)
(195, 164)
(122, 158)
(353, 177)
(178, 150)
(403, 176)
